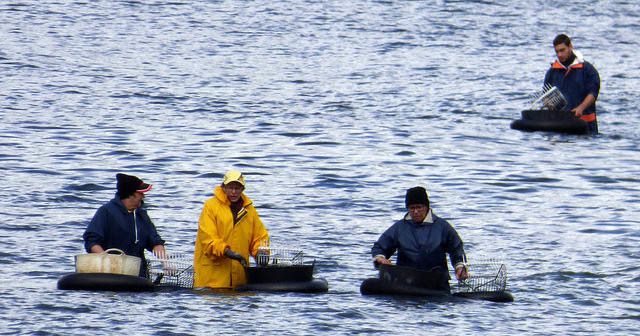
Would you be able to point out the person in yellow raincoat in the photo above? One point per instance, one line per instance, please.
(229, 231)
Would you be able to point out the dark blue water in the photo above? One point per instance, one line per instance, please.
(332, 110)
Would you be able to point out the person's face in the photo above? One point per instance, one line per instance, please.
(563, 51)
(418, 212)
(233, 191)
(135, 200)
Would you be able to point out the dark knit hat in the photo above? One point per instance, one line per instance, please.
(416, 195)
(129, 184)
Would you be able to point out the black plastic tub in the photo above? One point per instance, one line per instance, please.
(409, 276)
(270, 274)
(399, 280)
(550, 121)
(376, 286)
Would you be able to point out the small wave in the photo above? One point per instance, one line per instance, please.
(70, 199)
(564, 275)
(296, 134)
(43, 172)
(392, 46)
(120, 153)
(522, 190)
(405, 153)
(600, 179)
(86, 187)
(211, 175)
(604, 231)
(318, 143)
(58, 308)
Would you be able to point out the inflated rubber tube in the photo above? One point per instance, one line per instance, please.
(375, 286)
(105, 282)
(313, 286)
(489, 296)
(550, 121)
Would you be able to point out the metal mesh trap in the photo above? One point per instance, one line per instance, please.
(172, 270)
(549, 98)
(485, 275)
(269, 256)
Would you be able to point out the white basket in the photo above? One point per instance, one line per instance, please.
(549, 98)
(268, 256)
(112, 261)
(174, 270)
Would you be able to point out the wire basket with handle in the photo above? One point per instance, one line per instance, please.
(277, 265)
(268, 256)
(549, 98)
(171, 270)
(485, 275)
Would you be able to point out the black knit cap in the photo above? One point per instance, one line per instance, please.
(416, 195)
(129, 184)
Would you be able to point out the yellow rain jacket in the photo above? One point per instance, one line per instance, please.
(216, 232)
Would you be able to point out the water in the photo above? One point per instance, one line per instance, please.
(332, 110)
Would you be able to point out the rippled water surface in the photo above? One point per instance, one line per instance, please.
(332, 109)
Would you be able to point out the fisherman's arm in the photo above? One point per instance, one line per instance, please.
(384, 247)
(592, 87)
(589, 100)
(455, 247)
(94, 234)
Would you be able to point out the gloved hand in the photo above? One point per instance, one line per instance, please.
(237, 256)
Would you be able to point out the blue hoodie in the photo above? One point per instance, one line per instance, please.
(114, 227)
(422, 245)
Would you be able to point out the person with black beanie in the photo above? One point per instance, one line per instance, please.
(422, 240)
(124, 224)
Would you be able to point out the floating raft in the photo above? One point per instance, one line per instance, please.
(105, 282)
(407, 281)
(550, 121)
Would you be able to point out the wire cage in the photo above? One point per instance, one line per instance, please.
(549, 98)
(172, 270)
(275, 256)
(485, 275)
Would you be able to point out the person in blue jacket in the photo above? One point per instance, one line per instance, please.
(422, 240)
(577, 79)
(122, 223)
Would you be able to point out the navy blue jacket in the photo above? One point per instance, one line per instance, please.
(423, 246)
(576, 82)
(114, 227)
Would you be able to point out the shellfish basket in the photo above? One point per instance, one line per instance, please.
(549, 98)
(485, 275)
(171, 270)
(268, 256)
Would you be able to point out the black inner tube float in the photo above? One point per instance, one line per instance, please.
(290, 278)
(550, 121)
(105, 282)
(408, 281)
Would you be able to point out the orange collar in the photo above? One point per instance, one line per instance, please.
(557, 65)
